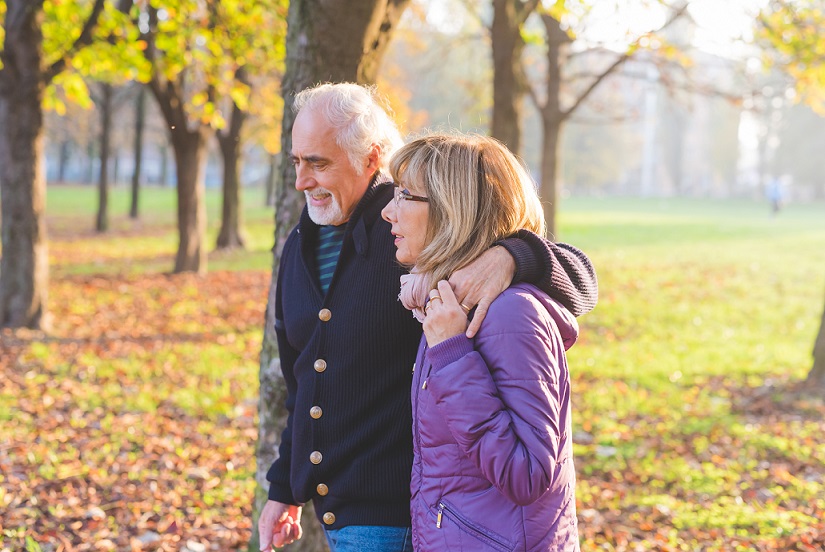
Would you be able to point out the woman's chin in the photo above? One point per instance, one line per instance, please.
(403, 258)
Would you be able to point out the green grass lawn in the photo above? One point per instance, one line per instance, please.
(147, 245)
(691, 435)
(132, 426)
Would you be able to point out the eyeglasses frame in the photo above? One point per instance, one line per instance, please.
(404, 193)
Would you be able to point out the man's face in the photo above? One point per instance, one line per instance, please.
(323, 171)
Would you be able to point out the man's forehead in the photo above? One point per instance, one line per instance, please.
(310, 147)
(311, 121)
(312, 136)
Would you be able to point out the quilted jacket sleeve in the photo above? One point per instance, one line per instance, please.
(505, 396)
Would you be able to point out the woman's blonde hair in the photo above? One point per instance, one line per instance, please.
(479, 193)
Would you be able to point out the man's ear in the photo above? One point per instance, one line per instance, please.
(374, 159)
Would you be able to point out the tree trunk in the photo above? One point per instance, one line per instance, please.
(816, 377)
(331, 41)
(188, 141)
(63, 160)
(115, 155)
(508, 70)
(552, 118)
(230, 235)
(190, 155)
(24, 265)
(554, 115)
(549, 189)
(269, 191)
(675, 124)
(90, 160)
(140, 123)
(164, 165)
(105, 139)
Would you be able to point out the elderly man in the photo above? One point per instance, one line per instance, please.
(347, 345)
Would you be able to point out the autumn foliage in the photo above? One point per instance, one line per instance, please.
(133, 426)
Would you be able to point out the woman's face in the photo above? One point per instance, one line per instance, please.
(407, 213)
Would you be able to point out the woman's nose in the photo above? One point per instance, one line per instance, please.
(388, 212)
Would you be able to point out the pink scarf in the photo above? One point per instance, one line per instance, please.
(414, 293)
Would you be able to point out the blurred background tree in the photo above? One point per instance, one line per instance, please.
(792, 31)
(201, 56)
(40, 39)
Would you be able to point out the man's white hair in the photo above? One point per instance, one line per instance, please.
(360, 117)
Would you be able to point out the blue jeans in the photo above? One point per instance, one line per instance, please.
(372, 538)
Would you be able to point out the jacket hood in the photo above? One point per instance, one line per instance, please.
(565, 321)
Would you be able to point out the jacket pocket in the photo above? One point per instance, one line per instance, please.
(491, 539)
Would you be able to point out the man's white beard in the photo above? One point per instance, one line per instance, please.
(329, 215)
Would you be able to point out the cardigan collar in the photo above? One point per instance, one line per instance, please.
(366, 208)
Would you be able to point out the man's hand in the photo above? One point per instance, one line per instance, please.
(445, 317)
(481, 281)
(279, 525)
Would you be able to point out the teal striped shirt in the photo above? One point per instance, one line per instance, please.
(330, 239)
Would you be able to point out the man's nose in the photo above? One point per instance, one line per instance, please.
(303, 181)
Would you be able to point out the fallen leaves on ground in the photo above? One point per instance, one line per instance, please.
(132, 427)
(93, 456)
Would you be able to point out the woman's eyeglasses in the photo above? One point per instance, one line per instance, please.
(404, 193)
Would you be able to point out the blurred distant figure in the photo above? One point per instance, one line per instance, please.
(775, 194)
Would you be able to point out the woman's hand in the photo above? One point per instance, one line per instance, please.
(445, 317)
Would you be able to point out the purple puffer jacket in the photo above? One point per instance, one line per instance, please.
(493, 466)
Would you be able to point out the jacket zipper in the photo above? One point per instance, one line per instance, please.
(429, 366)
(415, 406)
(470, 527)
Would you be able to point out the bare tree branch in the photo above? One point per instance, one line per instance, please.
(565, 113)
(125, 6)
(525, 9)
(621, 59)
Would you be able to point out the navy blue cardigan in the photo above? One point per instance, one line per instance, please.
(347, 360)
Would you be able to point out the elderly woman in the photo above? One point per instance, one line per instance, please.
(493, 467)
